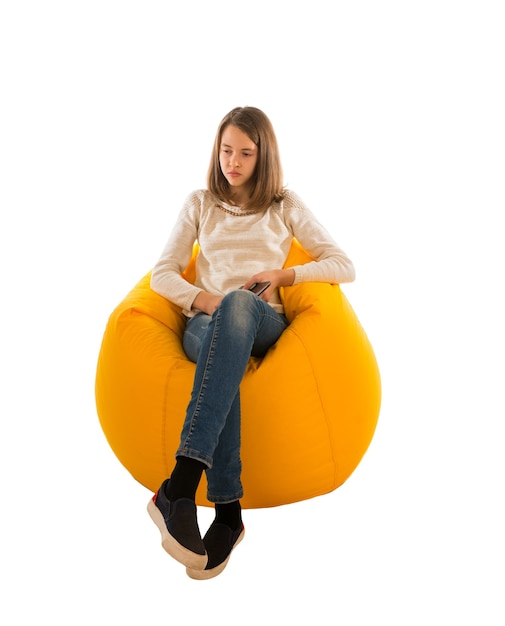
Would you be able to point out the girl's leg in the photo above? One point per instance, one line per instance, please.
(223, 478)
(243, 325)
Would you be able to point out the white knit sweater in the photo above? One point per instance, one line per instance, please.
(235, 245)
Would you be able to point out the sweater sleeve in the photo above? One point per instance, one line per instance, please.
(166, 278)
(331, 264)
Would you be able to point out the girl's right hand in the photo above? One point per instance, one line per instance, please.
(206, 302)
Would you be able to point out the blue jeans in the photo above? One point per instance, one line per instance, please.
(220, 345)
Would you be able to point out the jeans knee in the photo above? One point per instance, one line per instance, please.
(239, 300)
(238, 308)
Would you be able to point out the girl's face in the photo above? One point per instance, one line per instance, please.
(237, 157)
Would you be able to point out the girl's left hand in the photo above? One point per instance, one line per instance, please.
(277, 278)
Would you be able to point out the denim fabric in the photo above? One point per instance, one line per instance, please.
(220, 345)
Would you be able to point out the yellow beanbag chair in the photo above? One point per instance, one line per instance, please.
(309, 407)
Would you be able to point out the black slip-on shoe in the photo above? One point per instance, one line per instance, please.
(219, 542)
(178, 525)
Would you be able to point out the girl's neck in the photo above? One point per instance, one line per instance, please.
(240, 198)
(238, 201)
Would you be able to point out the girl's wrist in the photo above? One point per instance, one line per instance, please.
(288, 277)
(200, 302)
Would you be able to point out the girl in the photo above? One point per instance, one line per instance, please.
(244, 224)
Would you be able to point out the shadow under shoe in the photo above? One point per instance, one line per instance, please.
(178, 525)
(219, 541)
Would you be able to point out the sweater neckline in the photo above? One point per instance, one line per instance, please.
(235, 210)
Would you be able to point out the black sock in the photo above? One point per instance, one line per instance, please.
(229, 514)
(185, 478)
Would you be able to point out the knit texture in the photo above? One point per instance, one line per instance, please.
(237, 244)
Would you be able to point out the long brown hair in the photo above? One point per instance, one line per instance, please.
(267, 180)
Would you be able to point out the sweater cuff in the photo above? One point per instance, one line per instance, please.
(298, 269)
(188, 305)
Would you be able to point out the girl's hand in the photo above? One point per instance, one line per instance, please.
(206, 302)
(277, 278)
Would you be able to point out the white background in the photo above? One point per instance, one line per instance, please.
(390, 121)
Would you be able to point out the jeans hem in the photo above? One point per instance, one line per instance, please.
(197, 456)
(225, 499)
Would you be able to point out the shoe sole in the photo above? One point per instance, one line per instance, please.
(170, 544)
(205, 574)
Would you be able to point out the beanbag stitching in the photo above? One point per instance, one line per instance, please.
(323, 411)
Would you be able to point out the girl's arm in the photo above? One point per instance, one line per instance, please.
(166, 278)
(331, 264)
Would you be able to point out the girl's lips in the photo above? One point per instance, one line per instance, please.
(233, 174)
